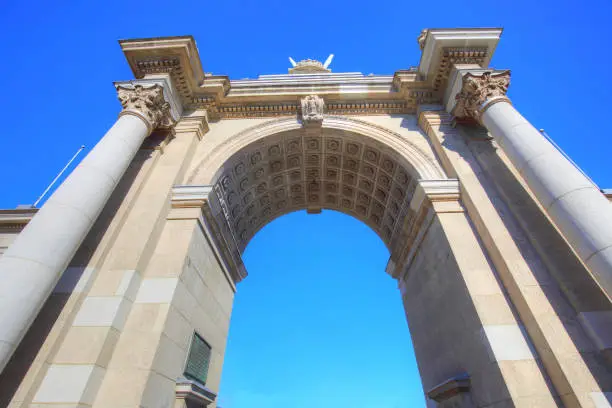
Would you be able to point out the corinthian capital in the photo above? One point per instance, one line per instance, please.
(147, 102)
(479, 92)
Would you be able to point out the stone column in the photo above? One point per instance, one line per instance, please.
(32, 265)
(578, 208)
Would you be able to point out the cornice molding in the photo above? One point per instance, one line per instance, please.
(345, 93)
(442, 49)
(177, 56)
(14, 221)
(194, 392)
(195, 121)
(436, 40)
(450, 388)
(457, 55)
(441, 195)
(190, 196)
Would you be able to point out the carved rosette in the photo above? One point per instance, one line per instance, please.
(312, 109)
(479, 91)
(146, 102)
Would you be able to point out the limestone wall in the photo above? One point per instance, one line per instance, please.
(462, 324)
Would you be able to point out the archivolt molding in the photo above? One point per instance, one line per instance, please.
(347, 165)
(423, 166)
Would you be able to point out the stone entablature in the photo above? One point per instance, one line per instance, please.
(279, 95)
(12, 222)
(15, 220)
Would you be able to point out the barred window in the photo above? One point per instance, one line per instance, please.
(198, 359)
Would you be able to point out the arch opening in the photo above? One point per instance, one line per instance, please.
(317, 323)
(346, 165)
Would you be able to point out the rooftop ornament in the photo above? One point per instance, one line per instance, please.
(309, 66)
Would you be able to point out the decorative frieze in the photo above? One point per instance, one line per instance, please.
(421, 96)
(147, 103)
(367, 108)
(252, 110)
(478, 90)
(241, 111)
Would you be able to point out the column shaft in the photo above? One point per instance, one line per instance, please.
(32, 265)
(578, 208)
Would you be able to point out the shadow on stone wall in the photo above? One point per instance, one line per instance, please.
(571, 290)
(29, 348)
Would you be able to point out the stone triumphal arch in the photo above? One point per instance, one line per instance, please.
(118, 291)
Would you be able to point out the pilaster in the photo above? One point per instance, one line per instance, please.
(448, 268)
(187, 286)
(201, 203)
(430, 197)
(542, 309)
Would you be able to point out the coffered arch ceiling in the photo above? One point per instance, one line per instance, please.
(344, 164)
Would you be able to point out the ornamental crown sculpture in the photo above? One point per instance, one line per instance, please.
(310, 65)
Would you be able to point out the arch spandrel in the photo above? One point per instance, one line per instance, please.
(357, 167)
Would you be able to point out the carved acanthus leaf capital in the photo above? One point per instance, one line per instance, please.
(147, 102)
(478, 90)
(312, 109)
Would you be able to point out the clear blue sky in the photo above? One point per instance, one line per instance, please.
(343, 339)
